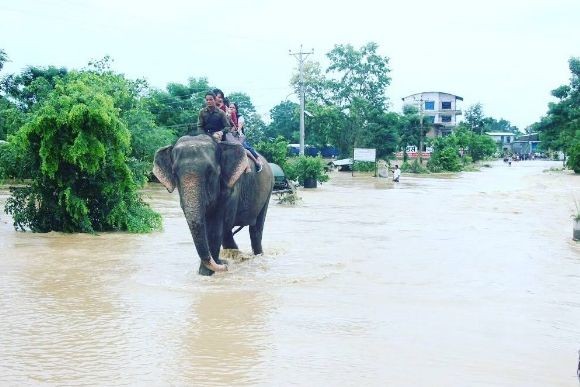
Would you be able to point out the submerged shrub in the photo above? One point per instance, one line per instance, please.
(81, 181)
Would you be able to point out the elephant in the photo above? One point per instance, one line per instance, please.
(216, 193)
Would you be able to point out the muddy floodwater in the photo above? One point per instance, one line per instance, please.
(465, 280)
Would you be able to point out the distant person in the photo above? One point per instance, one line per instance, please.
(396, 173)
(211, 120)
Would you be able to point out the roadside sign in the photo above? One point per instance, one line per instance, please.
(365, 154)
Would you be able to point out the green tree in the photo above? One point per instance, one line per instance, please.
(481, 147)
(409, 129)
(81, 180)
(385, 134)
(30, 88)
(11, 118)
(177, 108)
(560, 127)
(492, 125)
(323, 127)
(474, 118)
(274, 151)
(285, 122)
(361, 74)
(3, 58)
(354, 85)
(445, 156)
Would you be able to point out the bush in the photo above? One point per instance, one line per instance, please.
(413, 167)
(306, 167)
(81, 180)
(445, 159)
(573, 161)
(275, 152)
(364, 166)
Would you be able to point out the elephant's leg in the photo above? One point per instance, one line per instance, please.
(229, 242)
(257, 230)
(215, 236)
(229, 220)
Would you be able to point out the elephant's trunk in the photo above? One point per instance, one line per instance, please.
(199, 234)
(194, 202)
(191, 195)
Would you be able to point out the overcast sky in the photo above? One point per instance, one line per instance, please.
(508, 55)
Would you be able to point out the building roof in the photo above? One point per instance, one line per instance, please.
(440, 92)
(500, 133)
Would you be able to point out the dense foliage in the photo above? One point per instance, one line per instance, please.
(560, 127)
(78, 147)
(274, 151)
(306, 167)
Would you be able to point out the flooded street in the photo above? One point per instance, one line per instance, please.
(466, 280)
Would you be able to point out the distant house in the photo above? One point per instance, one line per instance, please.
(439, 110)
(504, 140)
(526, 144)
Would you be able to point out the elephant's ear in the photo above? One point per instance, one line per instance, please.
(233, 162)
(163, 167)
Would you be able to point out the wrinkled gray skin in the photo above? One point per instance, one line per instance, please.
(216, 195)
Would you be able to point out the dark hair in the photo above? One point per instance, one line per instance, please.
(226, 102)
(396, 165)
(237, 110)
(209, 93)
(218, 92)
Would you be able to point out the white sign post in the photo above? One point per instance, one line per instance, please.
(364, 154)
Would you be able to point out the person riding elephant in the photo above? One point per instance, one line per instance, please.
(212, 120)
(215, 194)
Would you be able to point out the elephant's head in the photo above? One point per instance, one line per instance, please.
(203, 171)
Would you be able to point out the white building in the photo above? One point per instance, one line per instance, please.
(502, 139)
(439, 110)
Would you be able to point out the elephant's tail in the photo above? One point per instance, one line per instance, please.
(238, 229)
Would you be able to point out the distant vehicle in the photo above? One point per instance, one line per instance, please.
(280, 181)
(326, 152)
(342, 164)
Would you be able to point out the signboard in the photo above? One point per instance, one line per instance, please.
(413, 155)
(364, 154)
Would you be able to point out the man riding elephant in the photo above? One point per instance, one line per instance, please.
(212, 120)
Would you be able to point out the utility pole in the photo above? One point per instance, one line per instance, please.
(421, 130)
(301, 57)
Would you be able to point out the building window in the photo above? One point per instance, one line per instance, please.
(445, 118)
(429, 105)
(429, 119)
(446, 105)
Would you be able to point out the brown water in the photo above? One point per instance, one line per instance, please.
(470, 280)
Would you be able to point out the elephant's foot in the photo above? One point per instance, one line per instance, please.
(209, 267)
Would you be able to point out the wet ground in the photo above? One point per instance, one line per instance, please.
(465, 280)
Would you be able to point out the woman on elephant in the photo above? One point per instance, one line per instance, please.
(212, 120)
(238, 134)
